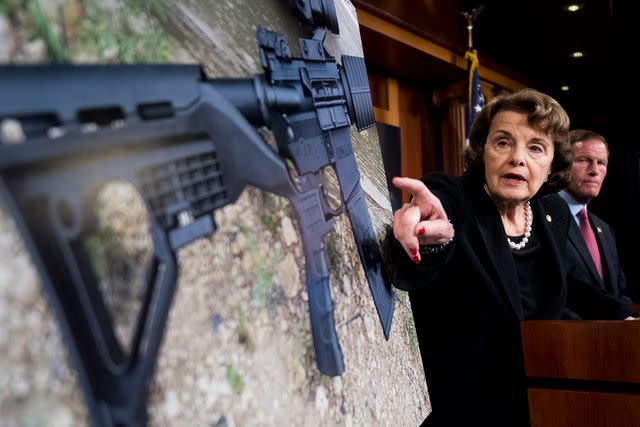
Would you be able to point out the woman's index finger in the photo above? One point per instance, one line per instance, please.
(414, 186)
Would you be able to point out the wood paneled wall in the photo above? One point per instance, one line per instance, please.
(401, 105)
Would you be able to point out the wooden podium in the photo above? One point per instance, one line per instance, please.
(582, 373)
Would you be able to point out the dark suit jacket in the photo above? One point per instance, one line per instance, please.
(467, 307)
(584, 267)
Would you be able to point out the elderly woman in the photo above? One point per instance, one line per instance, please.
(481, 252)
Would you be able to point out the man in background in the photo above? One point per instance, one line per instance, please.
(591, 247)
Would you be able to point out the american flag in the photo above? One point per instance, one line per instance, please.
(475, 100)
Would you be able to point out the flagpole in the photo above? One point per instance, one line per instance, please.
(475, 100)
(470, 17)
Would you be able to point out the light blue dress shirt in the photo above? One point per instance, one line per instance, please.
(574, 206)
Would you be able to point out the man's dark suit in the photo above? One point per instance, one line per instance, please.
(583, 265)
(467, 306)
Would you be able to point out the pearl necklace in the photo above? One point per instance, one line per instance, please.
(528, 219)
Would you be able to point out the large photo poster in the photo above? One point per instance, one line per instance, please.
(193, 285)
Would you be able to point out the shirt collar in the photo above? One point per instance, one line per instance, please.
(574, 206)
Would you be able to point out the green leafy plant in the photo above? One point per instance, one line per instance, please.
(412, 335)
(234, 379)
(263, 282)
(263, 285)
(270, 222)
(119, 37)
(8, 6)
(243, 332)
(55, 48)
(402, 296)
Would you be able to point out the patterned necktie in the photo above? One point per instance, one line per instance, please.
(590, 239)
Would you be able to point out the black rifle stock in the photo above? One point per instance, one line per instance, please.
(189, 145)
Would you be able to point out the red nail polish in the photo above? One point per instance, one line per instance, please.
(414, 251)
(416, 259)
(421, 231)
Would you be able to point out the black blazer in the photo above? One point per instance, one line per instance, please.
(467, 306)
(584, 267)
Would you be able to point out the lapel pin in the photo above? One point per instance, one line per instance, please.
(599, 229)
(549, 218)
